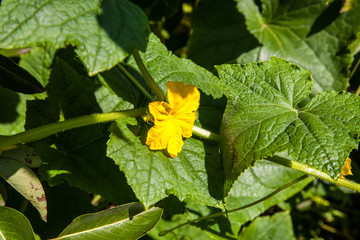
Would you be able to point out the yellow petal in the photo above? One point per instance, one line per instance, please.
(346, 170)
(183, 98)
(186, 122)
(159, 110)
(166, 134)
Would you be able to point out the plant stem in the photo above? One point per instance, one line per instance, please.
(134, 81)
(313, 172)
(203, 133)
(148, 78)
(47, 130)
(237, 209)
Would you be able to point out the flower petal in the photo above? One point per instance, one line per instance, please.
(183, 98)
(159, 110)
(166, 134)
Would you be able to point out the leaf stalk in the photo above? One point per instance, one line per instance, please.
(314, 172)
(148, 78)
(53, 128)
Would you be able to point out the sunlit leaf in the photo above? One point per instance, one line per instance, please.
(14, 225)
(127, 222)
(262, 118)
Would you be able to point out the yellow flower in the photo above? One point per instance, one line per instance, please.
(173, 120)
(346, 170)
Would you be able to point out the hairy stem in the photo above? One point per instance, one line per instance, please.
(313, 172)
(148, 78)
(50, 129)
(203, 133)
(134, 81)
(237, 209)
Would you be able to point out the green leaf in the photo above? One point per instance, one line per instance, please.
(164, 66)
(254, 184)
(23, 154)
(13, 111)
(261, 119)
(16, 78)
(104, 32)
(3, 194)
(128, 221)
(38, 61)
(153, 176)
(282, 30)
(14, 225)
(79, 155)
(185, 232)
(24, 180)
(277, 226)
(220, 38)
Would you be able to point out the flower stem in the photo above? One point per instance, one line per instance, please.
(237, 209)
(47, 130)
(134, 81)
(313, 172)
(148, 78)
(203, 133)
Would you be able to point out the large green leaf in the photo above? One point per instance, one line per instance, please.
(220, 38)
(127, 222)
(153, 176)
(261, 119)
(278, 226)
(14, 225)
(282, 29)
(104, 32)
(254, 184)
(24, 180)
(164, 67)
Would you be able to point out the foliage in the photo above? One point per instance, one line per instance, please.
(76, 80)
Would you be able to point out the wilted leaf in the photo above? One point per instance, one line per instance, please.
(23, 154)
(24, 180)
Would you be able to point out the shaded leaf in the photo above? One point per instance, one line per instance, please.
(16, 78)
(23, 154)
(221, 38)
(282, 30)
(128, 221)
(14, 225)
(24, 180)
(3, 195)
(13, 111)
(261, 119)
(185, 232)
(104, 32)
(278, 226)
(254, 184)
(79, 155)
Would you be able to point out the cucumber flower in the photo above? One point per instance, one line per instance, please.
(173, 120)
